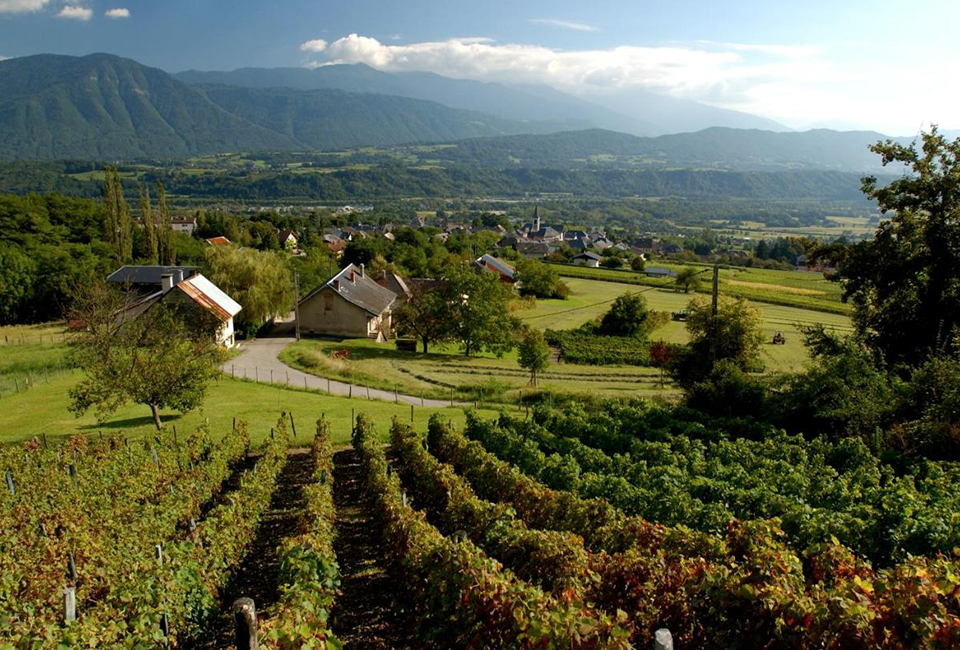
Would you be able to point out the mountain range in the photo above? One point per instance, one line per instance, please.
(635, 112)
(103, 107)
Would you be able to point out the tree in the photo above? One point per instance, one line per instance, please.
(905, 282)
(629, 315)
(732, 334)
(425, 315)
(540, 280)
(533, 353)
(163, 357)
(661, 354)
(259, 280)
(480, 316)
(164, 228)
(638, 264)
(611, 262)
(118, 226)
(150, 227)
(688, 279)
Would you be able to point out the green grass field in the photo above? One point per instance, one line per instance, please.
(590, 298)
(802, 289)
(45, 409)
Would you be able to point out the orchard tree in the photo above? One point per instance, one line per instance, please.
(629, 315)
(533, 353)
(425, 315)
(733, 334)
(540, 280)
(163, 357)
(479, 308)
(904, 283)
(688, 279)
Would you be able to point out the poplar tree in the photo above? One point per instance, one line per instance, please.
(153, 255)
(117, 224)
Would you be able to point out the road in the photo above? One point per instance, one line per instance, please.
(259, 361)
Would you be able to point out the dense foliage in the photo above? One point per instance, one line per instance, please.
(584, 347)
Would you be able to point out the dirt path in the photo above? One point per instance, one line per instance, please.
(368, 614)
(257, 575)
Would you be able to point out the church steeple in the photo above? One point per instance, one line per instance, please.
(536, 217)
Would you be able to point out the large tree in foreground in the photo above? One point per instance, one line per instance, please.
(905, 282)
(732, 335)
(424, 315)
(260, 281)
(163, 357)
(478, 307)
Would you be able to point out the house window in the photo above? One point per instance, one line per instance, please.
(328, 302)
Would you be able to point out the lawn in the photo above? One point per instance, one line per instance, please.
(446, 373)
(30, 354)
(45, 409)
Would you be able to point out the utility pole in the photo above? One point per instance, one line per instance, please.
(296, 304)
(716, 288)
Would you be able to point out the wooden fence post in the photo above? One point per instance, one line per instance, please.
(245, 618)
(411, 413)
(69, 604)
(9, 476)
(293, 426)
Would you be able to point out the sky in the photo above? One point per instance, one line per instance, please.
(887, 65)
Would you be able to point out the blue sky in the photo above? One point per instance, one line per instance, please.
(886, 65)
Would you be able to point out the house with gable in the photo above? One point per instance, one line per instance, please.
(349, 305)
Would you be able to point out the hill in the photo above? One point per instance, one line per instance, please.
(714, 148)
(107, 108)
(636, 112)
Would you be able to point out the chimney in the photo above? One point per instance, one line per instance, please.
(353, 276)
(362, 269)
(336, 286)
(177, 277)
(166, 282)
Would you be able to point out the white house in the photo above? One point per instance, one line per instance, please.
(587, 259)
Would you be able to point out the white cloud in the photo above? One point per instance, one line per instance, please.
(75, 12)
(119, 12)
(21, 6)
(564, 24)
(795, 84)
(316, 45)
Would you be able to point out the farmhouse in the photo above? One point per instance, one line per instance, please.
(587, 259)
(186, 226)
(288, 241)
(348, 305)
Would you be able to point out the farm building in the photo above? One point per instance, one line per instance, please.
(659, 272)
(587, 259)
(348, 305)
(394, 283)
(493, 265)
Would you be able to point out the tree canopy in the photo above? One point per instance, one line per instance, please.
(905, 282)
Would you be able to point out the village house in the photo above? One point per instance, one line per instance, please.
(147, 279)
(219, 241)
(394, 283)
(348, 305)
(288, 241)
(196, 292)
(491, 264)
(186, 226)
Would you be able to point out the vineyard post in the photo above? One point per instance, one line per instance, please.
(44, 436)
(662, 639)
(9, 475)
(175, 442)
(293, 426)
(69, 604)
(351, 390)
(421, 398)
(256, 377)
(73, 475)
(71, 567)
(16, 383)
(271, 375)
(328, 384)
(234, 422)
(245, 618)
(304, 382)
(411, 413)
(288, 377)
(396, 394)
(368, 392)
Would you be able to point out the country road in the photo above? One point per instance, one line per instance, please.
(259, 361)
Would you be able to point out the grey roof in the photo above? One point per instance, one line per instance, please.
(656, 270)
(362, 291)
(589, 255)
(147, 274)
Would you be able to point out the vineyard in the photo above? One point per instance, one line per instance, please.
(561, 530)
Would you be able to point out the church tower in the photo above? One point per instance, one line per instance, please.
(536, 218)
